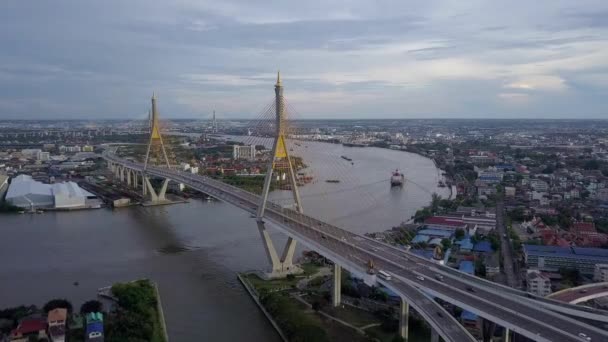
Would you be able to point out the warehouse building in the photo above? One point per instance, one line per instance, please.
(27, 193)
(552, 258)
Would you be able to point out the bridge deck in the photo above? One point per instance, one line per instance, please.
(414, 277)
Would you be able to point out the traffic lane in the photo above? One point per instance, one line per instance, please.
(483, 309)
(430, 308)
(440, 317)
(513, 318)
(490, 308)
(532, 312)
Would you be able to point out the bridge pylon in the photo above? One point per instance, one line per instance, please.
(156, 150)
(279, 156)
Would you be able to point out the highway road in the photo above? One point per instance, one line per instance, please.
(506, 247)
(521, 315)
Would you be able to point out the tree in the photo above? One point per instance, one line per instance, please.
(57, 303)
(316, 305)
(459, 234)
(446, 243)
(91, 306)
(591, 165)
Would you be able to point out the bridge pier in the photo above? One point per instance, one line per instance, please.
(154, 196)
(487, 329)
(129, 171)
(337, 286)
(404, 317)
(507, 335)
(434, 335)
(279, 267)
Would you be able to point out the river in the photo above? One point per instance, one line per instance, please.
(193, 250)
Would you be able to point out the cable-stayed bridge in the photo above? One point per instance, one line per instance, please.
(417, 280)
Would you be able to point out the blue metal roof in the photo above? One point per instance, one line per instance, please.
(569, 252)
(483, 246)
(423, 253)
(467, 267)
(468, 316)
(465, 244)
(420, 238)
(436, 232)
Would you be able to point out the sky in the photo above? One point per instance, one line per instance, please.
(74, 59)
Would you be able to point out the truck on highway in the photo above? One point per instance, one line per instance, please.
(370, 267)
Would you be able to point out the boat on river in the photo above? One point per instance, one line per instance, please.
(397, 178)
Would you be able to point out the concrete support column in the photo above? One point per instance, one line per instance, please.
(150, 190)
(144, 187)
(271, 252)
(337, 286)
(507, 335)
(434, 335)
(135, 183)
(128, 177)
(163, 190)
(404, 317)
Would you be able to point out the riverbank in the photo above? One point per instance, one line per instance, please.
(299, 308)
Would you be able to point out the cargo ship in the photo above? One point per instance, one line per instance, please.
(397, 179)
(346, 158)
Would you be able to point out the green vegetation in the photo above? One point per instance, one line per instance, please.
(252, 184)
(136, 317)
(6, 207)
(570, 277)
(91, 306)
(297, 326)
(57, 303)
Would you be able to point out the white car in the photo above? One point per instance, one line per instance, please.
(420, 277)
(584, 336)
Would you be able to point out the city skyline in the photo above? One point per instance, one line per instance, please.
(391, 60)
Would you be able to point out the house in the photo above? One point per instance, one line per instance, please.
(94, 327)
(29, 327)
(492, 266)
(538, 283)
(56, 320)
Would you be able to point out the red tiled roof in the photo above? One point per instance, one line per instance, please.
(444, 221)
(29, 326)
(584, 227)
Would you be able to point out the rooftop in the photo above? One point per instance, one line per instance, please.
(573, 252)
(467, 267)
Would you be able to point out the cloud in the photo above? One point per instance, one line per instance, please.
(352, 58)
(538, 82)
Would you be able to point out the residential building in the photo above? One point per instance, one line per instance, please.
(553, 258)
(539, 185)
(94, 327)
(43, 156)
(492, 266)
(538, 283)
(509, 191)
(30, 153)
(600, 273)
(243, 152)
(56, 320)
(34, 328)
